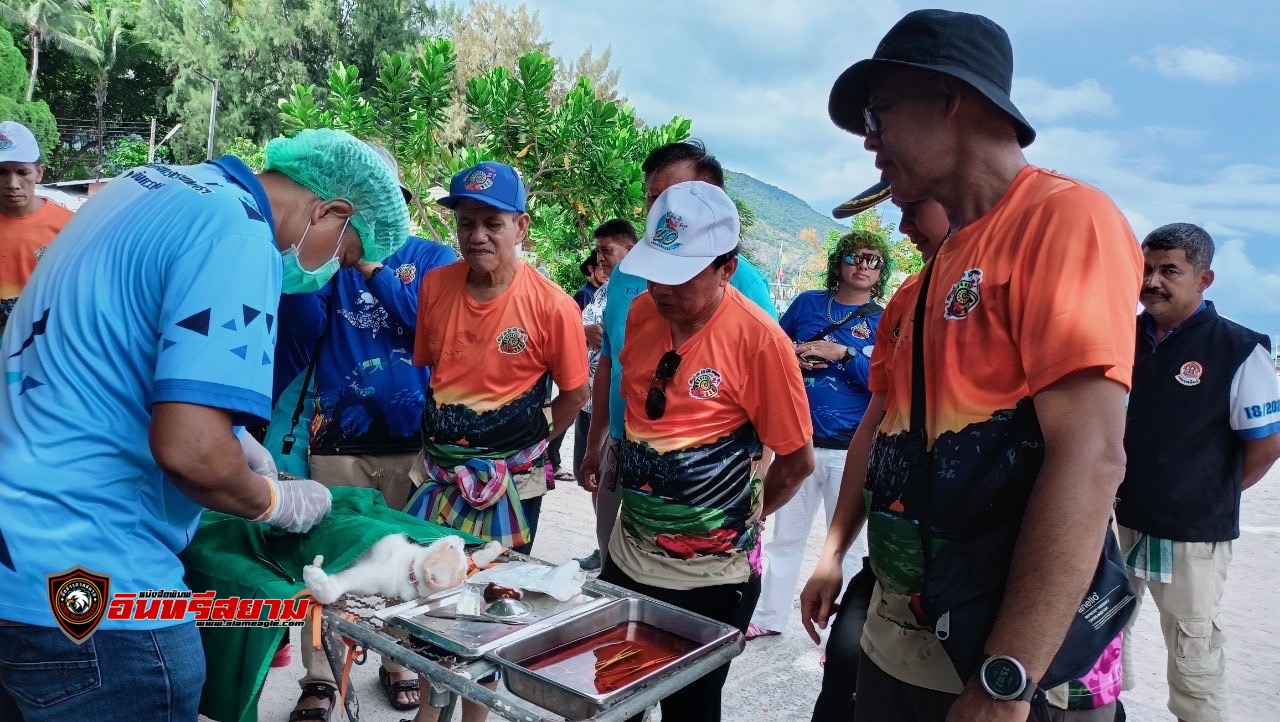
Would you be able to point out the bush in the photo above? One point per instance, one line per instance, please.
(127, 153)
(251, 153)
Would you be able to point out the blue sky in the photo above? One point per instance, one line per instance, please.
(1172, 108)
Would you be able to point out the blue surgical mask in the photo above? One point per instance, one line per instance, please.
(297, 279)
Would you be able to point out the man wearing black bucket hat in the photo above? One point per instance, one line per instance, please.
(999, 593)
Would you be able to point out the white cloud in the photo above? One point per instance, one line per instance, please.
(1244, 291)
(1040, 101)
(1200, 63)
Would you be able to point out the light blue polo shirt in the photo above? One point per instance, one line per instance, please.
(623, 289)
(163, 287)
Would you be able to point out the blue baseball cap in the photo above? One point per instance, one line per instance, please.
(491, 183)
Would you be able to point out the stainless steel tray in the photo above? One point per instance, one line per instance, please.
(573, 704)
(473, 639)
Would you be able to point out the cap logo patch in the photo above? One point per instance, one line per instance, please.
(6, 143)
(666, 236)
(705, 384)
(1190, 373)
(480, 179)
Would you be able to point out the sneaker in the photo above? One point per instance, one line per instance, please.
(591, 563)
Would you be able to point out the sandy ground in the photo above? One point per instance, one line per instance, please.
(777, 677)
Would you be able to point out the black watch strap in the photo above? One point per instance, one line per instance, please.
(847, 357)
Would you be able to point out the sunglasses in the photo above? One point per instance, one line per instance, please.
(870, 260)
(655, 404)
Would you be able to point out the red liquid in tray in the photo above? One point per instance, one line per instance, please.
(592, 665)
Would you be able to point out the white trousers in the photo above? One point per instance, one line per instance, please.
(790, 525)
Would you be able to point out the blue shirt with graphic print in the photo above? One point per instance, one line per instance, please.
(368, 393)
(162, 288)
(838, 395)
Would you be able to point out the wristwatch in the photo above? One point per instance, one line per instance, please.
(847, 357)
(1005, 679)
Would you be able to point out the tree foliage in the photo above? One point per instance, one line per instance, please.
(580, 158)
(13, 78)
(57, 22)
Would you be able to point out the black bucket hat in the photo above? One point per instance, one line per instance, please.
(969, 47)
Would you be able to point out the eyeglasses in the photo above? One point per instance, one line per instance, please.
(655, 404)
(871, 113)
(870, 260)
(871, 119)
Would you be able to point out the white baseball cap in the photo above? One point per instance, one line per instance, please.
(689, 225)
(17, 144)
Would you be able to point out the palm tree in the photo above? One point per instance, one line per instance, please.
(106, 33)
(56, 21)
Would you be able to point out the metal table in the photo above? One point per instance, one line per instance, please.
(452, 677)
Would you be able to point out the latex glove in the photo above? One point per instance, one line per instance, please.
(296, 504)
(257, 456)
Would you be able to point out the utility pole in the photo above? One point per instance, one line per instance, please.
(213, 112)
(151, 154)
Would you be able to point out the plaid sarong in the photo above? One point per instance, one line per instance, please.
(478, 496)
(1151, 558)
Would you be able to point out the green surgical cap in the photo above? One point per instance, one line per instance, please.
(333, 164)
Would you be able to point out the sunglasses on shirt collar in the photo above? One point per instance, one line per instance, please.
(655, 404)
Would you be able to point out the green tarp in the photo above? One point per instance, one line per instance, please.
(223, 558)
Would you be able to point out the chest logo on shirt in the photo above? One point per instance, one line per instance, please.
(667, 235)
(964, 296)
(1190, 373)
(513, 340)
(862, 330)
(78, 598)
(480, 179)
(406, 273)
(705, 384)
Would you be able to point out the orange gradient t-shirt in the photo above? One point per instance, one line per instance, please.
(1042, 286)
(491, 362)
(689, 505)
(22, 242)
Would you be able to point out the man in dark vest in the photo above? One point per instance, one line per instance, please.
(1203, 425)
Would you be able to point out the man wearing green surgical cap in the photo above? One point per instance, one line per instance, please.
(143, 343)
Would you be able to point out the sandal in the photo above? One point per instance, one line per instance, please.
(319, 690)
(754, 632)
(393, 690)
(564, 475)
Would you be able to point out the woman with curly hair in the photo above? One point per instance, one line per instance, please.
(834, 331)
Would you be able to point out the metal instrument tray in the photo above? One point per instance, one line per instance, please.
(471, 639)
(573, 704)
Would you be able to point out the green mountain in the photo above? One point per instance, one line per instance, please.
(780, 218)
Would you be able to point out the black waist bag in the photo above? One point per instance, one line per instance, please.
(964, 586)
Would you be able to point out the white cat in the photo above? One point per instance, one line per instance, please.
(396, 567)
